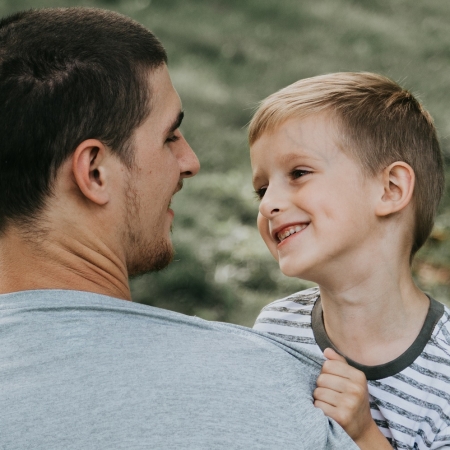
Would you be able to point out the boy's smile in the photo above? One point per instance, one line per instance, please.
(287, 231)
(317, 208)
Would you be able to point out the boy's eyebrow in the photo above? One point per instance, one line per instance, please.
(255, 178)
(288, 157)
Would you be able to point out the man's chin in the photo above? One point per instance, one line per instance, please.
(153, 261)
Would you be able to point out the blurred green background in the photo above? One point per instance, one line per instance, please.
(225, 56)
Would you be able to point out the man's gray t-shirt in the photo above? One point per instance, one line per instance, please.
(87, 371)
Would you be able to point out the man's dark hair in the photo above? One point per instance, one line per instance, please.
(66, 75)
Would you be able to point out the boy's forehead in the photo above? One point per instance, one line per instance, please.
(312, 138)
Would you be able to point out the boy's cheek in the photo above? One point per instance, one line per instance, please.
(264, 231)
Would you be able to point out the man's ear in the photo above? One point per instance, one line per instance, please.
(398, 186)
(88, 167)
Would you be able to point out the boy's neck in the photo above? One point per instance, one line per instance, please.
(375, 319)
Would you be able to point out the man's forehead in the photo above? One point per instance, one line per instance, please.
(165, 103)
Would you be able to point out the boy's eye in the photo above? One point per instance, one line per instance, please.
(297, 173)
(260, 192)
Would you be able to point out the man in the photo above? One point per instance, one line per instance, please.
(91, 156)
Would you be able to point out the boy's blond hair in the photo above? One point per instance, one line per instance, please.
(378, 123)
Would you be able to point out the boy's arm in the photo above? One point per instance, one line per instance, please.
(342, 394)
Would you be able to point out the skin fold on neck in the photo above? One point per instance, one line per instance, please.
(75, 260)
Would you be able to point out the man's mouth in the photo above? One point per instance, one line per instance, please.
(289, 231)
(178, 189)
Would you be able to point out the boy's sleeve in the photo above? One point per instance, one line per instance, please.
(442, 439)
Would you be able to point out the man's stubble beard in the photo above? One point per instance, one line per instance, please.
(145, 253)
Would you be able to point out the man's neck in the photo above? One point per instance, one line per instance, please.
(375, 315)
(58, 260)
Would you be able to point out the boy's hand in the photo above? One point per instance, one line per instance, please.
(342, 394)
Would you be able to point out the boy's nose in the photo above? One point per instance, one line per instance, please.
(270, 205)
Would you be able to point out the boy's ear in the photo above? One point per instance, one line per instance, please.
(88, 168)
(398, 186)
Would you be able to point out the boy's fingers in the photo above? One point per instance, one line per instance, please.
(342, 417)
(336, 383)
(329, 353)
(342, 385)
(326, 395)
(327, 409)
(353, 391)
(338, 368)
(341, 369)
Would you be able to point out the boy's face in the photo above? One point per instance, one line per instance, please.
(317, 208)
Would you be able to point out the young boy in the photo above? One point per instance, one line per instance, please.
(349, 174)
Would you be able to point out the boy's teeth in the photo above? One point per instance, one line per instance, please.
(286, 233)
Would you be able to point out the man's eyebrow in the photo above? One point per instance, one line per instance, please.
(176, 123)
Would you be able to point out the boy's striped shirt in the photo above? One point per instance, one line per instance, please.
(411, 406)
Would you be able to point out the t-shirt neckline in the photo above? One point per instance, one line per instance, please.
(435, 312)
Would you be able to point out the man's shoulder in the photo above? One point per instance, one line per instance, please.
(46, 314)
(159, 377)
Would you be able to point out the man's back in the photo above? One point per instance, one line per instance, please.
(81, 370)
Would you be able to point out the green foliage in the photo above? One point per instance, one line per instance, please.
(186, 286)
(224, 57)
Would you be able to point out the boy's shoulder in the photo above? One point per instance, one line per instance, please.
(440, 338)
(302, 300)
(290, 318)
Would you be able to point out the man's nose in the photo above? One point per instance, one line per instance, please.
(189, 163)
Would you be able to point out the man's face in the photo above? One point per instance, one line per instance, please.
(316, 211)
(162, 158)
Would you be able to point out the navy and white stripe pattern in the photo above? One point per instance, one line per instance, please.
(412, 407)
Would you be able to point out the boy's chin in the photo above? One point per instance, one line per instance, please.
(307, 268)
(293, 271)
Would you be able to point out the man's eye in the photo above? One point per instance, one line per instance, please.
(297, 173)
(173, 138)
(260, 193)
